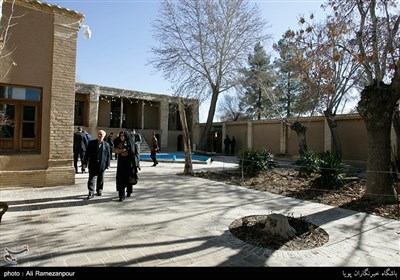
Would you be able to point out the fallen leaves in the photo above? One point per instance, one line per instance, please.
(285, 181)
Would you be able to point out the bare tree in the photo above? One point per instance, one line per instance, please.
(188, 170)
(291, 91)
(330, 70)
(6, 22)
(375, 43)
(202, 46)
(229, 109)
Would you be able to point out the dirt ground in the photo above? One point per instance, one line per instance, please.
(285, 181)
(251, 230)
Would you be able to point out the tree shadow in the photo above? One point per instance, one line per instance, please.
(56, 202)
(172, 203)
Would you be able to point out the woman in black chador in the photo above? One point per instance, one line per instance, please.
(127, 165)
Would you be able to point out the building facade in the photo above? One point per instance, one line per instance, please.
(113, 110)
(41, 105)
(37, 89)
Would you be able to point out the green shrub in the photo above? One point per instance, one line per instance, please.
(308, 163)
(330, 169)
(253, 161)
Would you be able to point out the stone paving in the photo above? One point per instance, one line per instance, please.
(177, 221)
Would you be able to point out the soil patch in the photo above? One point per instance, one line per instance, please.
(285, 181)
(250, 229)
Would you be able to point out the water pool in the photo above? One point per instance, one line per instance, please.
(178, 157)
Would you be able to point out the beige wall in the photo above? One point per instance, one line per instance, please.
(263, 136)
(45, 39)
(173, 139)
(269, 135)
(353, 138)
(315, 136)
(33, 57)
(238, 130)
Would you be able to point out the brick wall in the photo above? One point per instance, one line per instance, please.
(61, 119)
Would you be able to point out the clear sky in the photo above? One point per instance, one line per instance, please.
(118, 51)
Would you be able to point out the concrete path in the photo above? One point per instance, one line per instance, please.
(175, 220)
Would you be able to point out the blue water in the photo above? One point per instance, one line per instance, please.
(174, 157)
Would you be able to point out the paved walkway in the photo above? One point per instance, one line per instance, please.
(175, 220)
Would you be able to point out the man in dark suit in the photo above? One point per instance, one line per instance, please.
(80, 144)
(97, 158)
(154, 148)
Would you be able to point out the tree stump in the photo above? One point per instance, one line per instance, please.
(3, 209)
(278, 225)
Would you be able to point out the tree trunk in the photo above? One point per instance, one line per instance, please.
(207, 129)
(186, 140)
(337, 146)
(277, 225)
(286, 137)
(396, 153)
(376, 107)
(301, 134)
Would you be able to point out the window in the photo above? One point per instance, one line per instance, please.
(79, 112)
(20, 119)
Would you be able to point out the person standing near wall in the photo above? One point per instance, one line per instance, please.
(80, 144)
(227, 144)
(97, 158)
(233, 144)
(154, 148)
